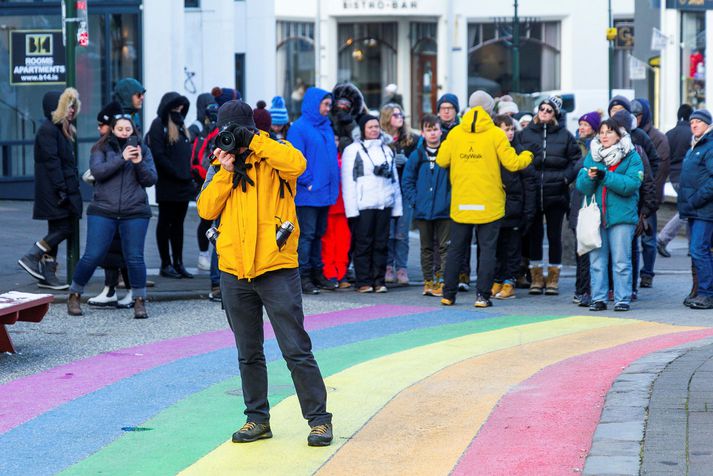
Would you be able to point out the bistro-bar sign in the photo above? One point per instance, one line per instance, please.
(37, 57)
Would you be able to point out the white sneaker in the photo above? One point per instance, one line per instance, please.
(127, 301)
(105, 298)
(204, 260)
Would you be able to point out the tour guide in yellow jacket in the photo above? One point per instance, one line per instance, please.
(251, 193)
(473, 152)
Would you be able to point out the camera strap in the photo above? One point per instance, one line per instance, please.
(386, 157)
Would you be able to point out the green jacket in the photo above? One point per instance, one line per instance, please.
(618, 193)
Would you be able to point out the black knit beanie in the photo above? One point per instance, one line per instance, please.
(236, 111)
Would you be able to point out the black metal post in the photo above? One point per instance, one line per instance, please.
(611, 56)
(516, 51)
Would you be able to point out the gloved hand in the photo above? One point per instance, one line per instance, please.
(243, 136)
(400, 160)
(63, 199)
(643, 227)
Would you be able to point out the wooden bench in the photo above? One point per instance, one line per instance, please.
(16, 306)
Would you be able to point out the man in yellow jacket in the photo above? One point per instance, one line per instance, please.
(251, 192)
(473, 152)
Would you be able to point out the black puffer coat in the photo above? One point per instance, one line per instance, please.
(556, 153)
(173, 161)
(120, 185)
(679, 139)
(55, 167)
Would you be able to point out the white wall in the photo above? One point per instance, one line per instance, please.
(260, 50)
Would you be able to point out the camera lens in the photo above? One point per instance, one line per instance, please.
(226, 141)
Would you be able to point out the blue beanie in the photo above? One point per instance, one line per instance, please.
(702, 115)
(619, 101)
(279, 111)
(449, 98)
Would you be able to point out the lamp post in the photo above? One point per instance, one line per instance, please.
(516, 51)
(611, 53)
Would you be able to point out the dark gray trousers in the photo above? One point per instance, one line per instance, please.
(281, 295)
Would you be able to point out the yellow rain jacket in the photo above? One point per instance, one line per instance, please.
(249, 219)
(473, 151)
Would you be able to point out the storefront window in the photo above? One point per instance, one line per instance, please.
(367, 58)
(693, 58)
(424, 66)
(490, 57)
(295, 63)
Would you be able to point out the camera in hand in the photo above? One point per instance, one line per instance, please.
(226, 139)
(383, 170)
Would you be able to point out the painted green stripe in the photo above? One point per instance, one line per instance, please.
(188, 430)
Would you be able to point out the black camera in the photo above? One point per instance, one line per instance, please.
(383, 170)
(226, 139)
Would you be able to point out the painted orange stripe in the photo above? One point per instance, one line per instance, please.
(426, 428)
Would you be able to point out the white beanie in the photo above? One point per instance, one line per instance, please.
(482, 99)
(507, 107)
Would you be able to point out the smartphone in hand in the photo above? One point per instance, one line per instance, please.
(132, 141)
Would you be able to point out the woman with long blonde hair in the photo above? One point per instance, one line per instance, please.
(170, 143)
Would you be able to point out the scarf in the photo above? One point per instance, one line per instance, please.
(695, 140)
(611, 156)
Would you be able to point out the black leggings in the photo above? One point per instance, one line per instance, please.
(554, 217)
(57, 231)
(203, 242)
(169, 228)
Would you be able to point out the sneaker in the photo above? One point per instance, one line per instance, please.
(689, 298)
(428, 288)
(308, 286)
(320, 435)
(447, 302)
(496, 288)
(402, 277)
(127, 302)
(204, 260)
(634, 295)
(482, 301)
(463, 282)
(661, 248)
(390, 277)
(646, 281)
(214, 294)
(365, 289)
(507, 292)
(701, 302)
(598, 306)
(622, 307)
(437, 289)
(577, 299)
(323, 283)
(344, 284)
(586, 300)
(105, 298)
(380, 289)
(252, 431)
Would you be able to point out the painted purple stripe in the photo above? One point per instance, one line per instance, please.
(61, 384)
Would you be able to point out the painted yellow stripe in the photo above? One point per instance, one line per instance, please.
(361, 391)
(450, 406)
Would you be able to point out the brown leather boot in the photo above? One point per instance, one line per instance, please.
(694, 288)
(140, 309)
(553, 281)
(73, 306)
(538, 280)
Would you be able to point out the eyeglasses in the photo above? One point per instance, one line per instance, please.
(547, 110)
(446, 108)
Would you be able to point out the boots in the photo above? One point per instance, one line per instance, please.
(105, 298)
(538, 280)
(31, 261)
(140, 308)
(167, 271)
(694, 288)
(127, 301)
(180, 269)
(49, 270)
(73, 306)
(553, 279)
(321, 282)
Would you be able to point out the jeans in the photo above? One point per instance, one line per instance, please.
(100, 233)
(280, 293)
(617, 241)
(461, 235)
(313, 225)
(648, 248)
(214, 270)
(701, 233)
(398, 239)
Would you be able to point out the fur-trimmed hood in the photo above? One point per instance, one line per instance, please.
(351, 92)
(55, 105)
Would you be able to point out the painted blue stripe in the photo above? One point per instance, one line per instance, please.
(65, 435)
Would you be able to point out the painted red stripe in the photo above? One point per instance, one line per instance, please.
(545, 425)
(19, 402)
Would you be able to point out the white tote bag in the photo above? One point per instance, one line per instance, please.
(588, 235)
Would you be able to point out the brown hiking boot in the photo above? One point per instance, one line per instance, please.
(73, 305)
(538, 280)
(140, 308)
(553, 280)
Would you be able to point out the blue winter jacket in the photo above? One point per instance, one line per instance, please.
(695, 197)
(312, 135)
(621, 205)
(427, 190)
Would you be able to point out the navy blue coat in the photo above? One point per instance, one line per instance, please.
(312, 135)
(695, 196)
(428, 191)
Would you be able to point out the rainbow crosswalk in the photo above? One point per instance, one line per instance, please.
(413, 390)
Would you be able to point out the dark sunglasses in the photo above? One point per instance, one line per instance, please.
(397, 114)
(122, 116)
(546, 110)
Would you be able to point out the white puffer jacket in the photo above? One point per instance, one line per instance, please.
(361, 189)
